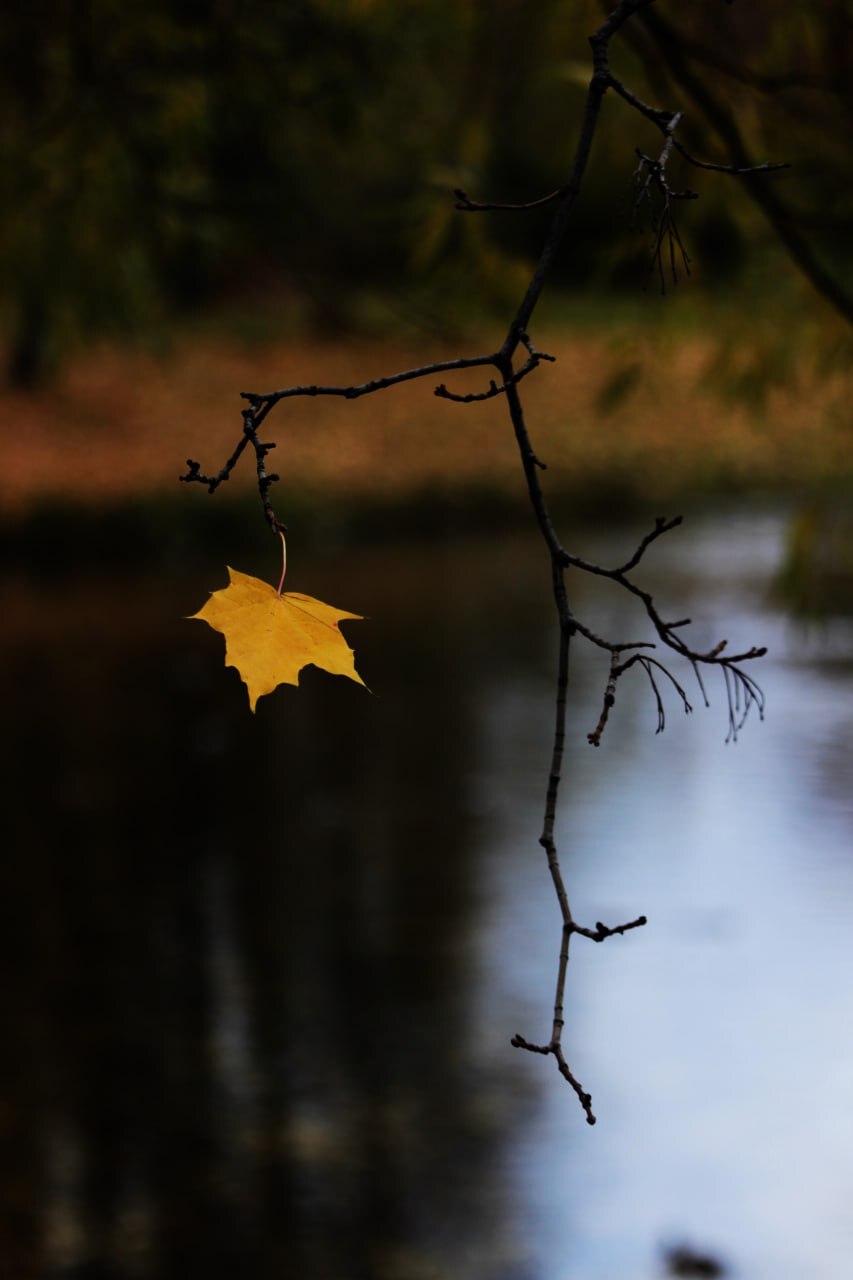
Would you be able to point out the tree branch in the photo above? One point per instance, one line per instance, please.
(742, 692)
(466, 205)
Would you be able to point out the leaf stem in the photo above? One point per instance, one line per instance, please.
(283, 563)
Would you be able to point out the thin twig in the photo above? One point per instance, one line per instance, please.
(466, 205)
(494, 390)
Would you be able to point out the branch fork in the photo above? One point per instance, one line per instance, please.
(554, 1046)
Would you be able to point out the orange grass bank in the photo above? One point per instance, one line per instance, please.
(641, 417)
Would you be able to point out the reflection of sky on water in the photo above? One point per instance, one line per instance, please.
(718, 1043)
(267, 969)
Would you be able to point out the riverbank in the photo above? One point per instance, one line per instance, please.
(626, 415)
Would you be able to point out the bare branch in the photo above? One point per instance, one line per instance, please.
(261, 448)
(662, 526)
(584, 1098)
(734, 170)
(663, 119)
(262, 402)
(554, 1046)
(466, 205)
(594, 738)
(268, 399)
(494, 389)
(602, 931)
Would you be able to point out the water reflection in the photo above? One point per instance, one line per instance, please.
(263, 971)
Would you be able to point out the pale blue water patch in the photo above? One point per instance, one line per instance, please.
(718, 1041)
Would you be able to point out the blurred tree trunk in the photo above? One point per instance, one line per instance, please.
(28, 362)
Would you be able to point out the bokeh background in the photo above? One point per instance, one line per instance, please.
(261, 972)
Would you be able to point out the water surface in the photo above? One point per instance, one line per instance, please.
(263, 971)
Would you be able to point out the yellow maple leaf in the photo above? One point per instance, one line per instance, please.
(269, 637)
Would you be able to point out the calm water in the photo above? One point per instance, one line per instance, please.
(262, 972)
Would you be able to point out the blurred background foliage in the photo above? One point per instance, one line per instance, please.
(167, 160)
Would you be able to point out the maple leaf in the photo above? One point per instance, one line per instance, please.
(270, 637)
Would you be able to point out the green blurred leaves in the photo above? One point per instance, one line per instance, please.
(157, 158)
